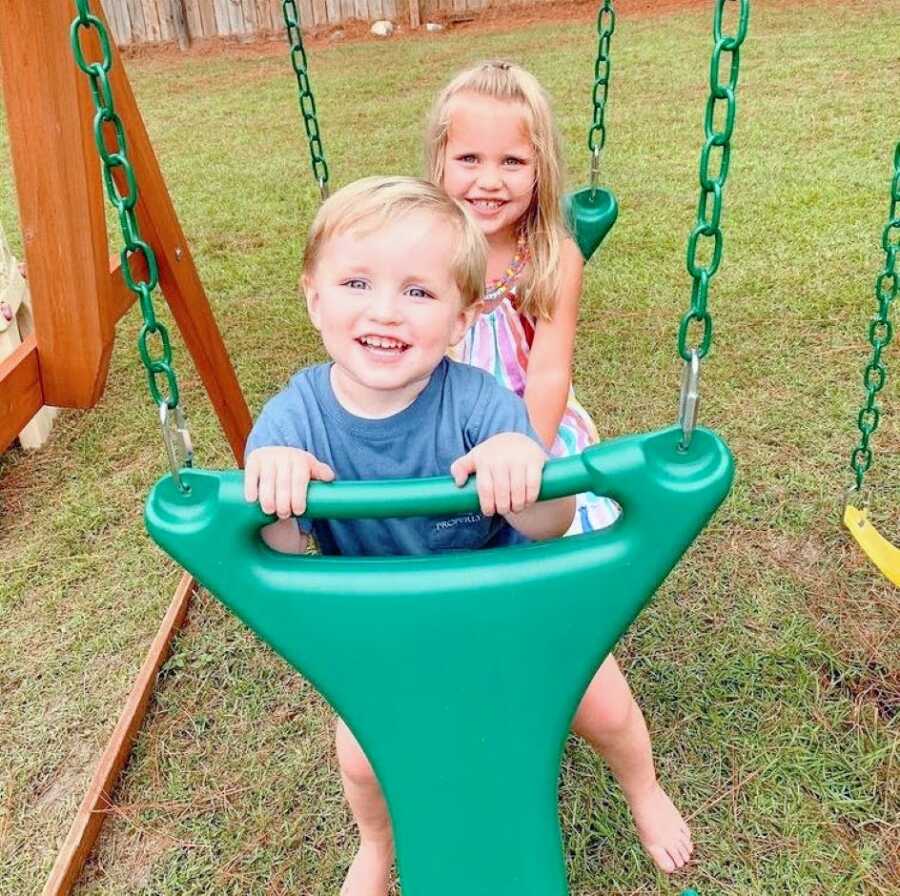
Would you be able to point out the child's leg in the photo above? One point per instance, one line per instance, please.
(610, 720)
(370, 873)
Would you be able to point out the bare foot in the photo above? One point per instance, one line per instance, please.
(663, 832)
(370, 872)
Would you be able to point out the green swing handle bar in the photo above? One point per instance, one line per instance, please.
(628, 469)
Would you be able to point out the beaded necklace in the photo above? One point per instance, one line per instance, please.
(506, 285)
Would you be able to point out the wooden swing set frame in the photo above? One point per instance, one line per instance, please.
(78, 296)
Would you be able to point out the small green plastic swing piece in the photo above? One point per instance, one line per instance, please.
(591, 213)
(460, 672)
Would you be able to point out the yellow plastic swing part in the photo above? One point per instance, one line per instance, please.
(877, 548)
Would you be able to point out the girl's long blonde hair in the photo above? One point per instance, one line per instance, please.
(543, 223)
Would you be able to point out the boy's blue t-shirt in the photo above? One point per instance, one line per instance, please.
(460, 407)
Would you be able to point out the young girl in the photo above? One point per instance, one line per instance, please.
(492, 144)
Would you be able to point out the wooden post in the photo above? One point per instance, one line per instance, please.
(76, 301)
(60, 199)
(414, 18)
(20, 396)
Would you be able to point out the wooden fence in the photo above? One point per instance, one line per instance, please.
(149, 21)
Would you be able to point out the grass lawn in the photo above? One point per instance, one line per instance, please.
(768, 665)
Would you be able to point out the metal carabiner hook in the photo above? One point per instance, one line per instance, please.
(177, 439)
(595, 170)
(689, 401)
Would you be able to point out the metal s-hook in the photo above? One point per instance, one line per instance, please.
(689, 401)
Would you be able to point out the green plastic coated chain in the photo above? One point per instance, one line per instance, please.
(306, 98)
(606, 25)
(880, 332)
(108, 129)
(722, 104)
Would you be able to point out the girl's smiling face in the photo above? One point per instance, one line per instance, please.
(489, 162)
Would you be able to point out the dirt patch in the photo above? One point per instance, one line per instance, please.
(68, 780)
(860, 629)
(486, 20)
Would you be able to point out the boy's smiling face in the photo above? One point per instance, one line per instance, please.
(387, 306)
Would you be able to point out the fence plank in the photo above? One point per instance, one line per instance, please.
(348, 10)
(307, 15)
(250, 24)
(207, 11)
(113, 9)
(128, 35)
(144, 21)
(235, 16)
(166, 19)
(164, 14)
(263, 16)
(277, 15)
(223, 25)
(192, 17)
(180, 27)
(136, 15)
(151, 20)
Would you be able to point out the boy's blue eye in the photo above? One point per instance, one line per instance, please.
(512, 160)
(468, 158)
(355, 283)
(418, 293)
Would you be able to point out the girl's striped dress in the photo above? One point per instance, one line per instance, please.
(499, 342)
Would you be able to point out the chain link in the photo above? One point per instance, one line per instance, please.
(715, 159)
(606, 26)
(136, 253)
(881, 331)
(307, 100)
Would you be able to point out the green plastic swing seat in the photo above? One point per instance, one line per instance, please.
(591, 213)
(460, 672)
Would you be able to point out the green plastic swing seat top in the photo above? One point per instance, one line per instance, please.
(459, 672)
(877, 548)
(591, 213)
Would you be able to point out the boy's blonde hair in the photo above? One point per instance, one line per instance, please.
(543, 223)
(372, 202)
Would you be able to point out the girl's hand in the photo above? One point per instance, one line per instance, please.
(507, 470)
(278, 477)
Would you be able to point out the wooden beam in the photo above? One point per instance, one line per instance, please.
(121, 298)
(92, 811)
(178, 277)
(21, 395)
(414, 17)
(20, 390)
(60, 197)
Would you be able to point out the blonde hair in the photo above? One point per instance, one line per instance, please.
(543, 223)
(373, 202)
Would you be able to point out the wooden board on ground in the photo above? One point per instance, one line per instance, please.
(98, 799)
